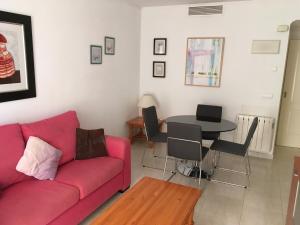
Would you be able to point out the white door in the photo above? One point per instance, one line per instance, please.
(289, 121)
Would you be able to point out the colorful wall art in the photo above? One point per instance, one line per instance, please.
(204, 61)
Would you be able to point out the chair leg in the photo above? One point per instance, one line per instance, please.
(173, 173)
(219, 158)
(248, 169)
(166, 161)
(215, 159)
(143, 157)
(151, 167)
(154, 151)
(247, 172)
(248, 159)
(200, 172)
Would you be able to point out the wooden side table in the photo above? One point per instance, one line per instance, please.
(136, 129)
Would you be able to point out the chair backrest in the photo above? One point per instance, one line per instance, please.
(184, 141)
(151, 121)
(211, 113)
(250, 133)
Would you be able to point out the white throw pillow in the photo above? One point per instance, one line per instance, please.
(39, 160)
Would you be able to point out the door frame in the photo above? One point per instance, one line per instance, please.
(282, 85)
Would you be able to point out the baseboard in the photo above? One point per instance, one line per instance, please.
(261, 155)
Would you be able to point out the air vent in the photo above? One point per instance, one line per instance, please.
(206, 10)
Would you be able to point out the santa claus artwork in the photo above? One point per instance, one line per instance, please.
(7, 65)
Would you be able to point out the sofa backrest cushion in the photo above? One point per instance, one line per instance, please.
(58, 131)
(11, 150)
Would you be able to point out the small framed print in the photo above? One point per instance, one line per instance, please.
(110, 45)
(160, 46)
(159, 69)
(96, 54)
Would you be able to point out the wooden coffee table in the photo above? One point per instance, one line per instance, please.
(152, 202)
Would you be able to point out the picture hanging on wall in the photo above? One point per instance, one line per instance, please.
(204, 59)
(159, 69)
(96, 54)
(160, 46)
(17, 79)
(110, 45)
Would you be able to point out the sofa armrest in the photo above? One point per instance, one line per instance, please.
(120, 148)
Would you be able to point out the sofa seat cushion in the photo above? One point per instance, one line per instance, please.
(36, 202)
(89, 174)
(58, 131)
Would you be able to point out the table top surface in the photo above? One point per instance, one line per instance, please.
(152, 202)
(223, 126)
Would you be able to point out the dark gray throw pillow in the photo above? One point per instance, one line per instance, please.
(90, 144)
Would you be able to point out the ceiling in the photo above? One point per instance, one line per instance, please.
(143, 3)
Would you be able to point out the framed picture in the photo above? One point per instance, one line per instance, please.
(160, 46)
(96, 54)
(204, 59)
(110, 45)
(159, 69)
(17, 79)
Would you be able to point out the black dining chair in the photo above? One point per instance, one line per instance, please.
(228, 147)
(185, 142)
(210, 113)
(152, 130)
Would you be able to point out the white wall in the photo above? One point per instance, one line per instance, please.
(103, 95)
(246, 78)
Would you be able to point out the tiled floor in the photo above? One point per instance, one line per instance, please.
(263, 203)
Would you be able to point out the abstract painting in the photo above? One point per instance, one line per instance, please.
(17, 80)
(204, 61)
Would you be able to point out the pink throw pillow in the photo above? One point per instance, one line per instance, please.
(40, 159)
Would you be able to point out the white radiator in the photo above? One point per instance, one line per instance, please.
(262, 138)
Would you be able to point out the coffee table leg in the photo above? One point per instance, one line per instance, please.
(191, 218)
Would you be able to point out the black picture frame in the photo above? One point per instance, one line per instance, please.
(96, 57)
(107, 51)
(155, 64)
(158, 41)
(28, 57)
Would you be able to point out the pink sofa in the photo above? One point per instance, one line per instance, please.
(80, 186)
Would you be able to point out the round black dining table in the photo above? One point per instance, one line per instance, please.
(206, 126)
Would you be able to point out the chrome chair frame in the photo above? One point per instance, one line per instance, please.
(152, 132)
(247, 171)
(200, 160)
(246, 158)
(144, 153)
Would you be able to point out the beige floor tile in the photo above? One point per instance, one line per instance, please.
(264, 202)
(255, 216)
